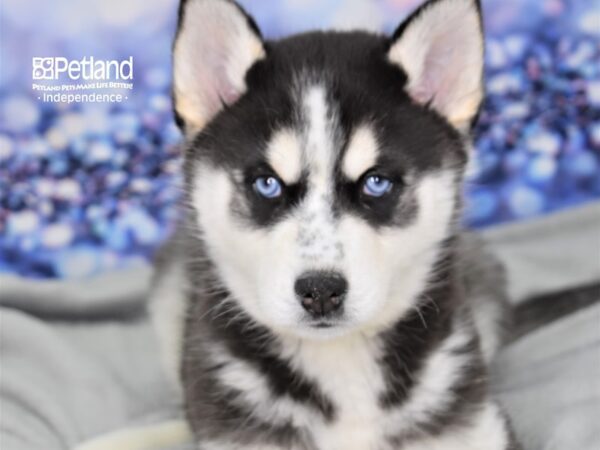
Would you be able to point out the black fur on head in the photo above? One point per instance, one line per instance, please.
(364, 87)
(365, 82)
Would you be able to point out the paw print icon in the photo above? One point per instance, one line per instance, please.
(43, 68)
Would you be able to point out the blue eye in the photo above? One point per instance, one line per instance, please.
(376, 185)
(268, 187)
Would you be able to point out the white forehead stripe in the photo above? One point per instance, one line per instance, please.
(317, 229)
(361, 154)
(319, 140)
(284, 154)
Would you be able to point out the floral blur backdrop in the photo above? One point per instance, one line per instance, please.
(89, 187)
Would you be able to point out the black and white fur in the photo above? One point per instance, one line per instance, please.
(402, 364)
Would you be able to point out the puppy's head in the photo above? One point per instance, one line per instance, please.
(324, 170)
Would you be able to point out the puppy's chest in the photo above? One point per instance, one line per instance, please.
(350, 375)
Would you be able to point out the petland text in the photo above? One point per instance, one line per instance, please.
(87, 68)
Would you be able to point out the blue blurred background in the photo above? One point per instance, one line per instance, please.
(90, 187)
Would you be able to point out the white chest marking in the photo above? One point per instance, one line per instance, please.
(348, 373)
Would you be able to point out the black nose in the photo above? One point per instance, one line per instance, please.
(321, 293)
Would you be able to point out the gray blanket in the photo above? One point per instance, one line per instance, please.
(79, 359)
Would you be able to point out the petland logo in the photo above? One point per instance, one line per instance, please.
(86, 74)
(84, 69)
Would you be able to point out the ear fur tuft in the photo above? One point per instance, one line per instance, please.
(215, 46)
(441, 49)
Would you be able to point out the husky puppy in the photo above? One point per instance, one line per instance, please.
(318, 294)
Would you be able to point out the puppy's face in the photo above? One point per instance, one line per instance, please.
(324, 170)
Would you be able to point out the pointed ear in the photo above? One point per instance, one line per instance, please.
(440, 47)
(215, 45)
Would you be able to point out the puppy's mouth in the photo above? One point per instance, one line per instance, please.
(323, 327)
(324, 323)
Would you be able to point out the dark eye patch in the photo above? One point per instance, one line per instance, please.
(264, 211)
(378, 211)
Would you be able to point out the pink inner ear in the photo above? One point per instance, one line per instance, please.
(221, 49)
(218, 88)
(441, 72)
(228, 93)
